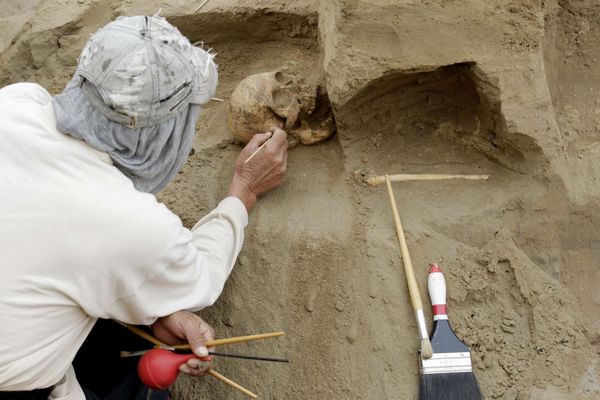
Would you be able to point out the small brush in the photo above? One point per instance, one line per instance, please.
(448, 375)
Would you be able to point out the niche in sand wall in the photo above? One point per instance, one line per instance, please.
(456, 106)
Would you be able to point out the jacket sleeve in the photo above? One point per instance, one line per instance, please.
(189, 274)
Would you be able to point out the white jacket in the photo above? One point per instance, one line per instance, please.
(78, 242)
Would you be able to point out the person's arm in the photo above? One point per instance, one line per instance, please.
(169, 268)
(250, 180)
(219, 236)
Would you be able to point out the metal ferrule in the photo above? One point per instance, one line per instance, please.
(444, 363)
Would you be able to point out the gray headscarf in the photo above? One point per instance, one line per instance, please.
(149, 156)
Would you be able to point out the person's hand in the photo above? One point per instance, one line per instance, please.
(265, 171)
(186, 327)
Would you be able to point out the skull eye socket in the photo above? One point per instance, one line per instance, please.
(283, 98)
(279, 77)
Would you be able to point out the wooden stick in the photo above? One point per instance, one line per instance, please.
(231, 340)
(413, 287)
(146, 336)
(378, 180)
(200, 6)
(210, 343)
(228, 381)
(138, 353)
(257, 150)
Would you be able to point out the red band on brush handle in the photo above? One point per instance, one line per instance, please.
(439, 309)
(436, 284)
(434, 268)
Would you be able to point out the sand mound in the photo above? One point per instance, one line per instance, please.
(509, 88)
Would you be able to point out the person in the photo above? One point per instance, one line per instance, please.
(82, 236)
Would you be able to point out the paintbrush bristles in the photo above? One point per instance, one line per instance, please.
(426, 349)
(461, 386)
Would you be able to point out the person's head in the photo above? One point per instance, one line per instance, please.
(136, 94)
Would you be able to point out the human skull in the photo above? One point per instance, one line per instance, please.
(269, 99)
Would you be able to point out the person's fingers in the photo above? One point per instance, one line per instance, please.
(192, 371)
(257, 140)
(184, 368)
(208, 333)
(281, 166)
(285, 159)
(276, 130)
(199, 363)
(195, 367)
(197, 332)
(279, 138)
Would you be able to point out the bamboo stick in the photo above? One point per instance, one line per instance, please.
(378, 180)
(125, 354)
(228, 381)
(413, 287)
(231, 340)
(146, 336)
(259, 149)
(210, 343)
(200, 6)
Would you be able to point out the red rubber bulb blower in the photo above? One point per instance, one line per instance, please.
(159, 368)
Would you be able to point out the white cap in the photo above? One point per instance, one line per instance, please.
(140, 71)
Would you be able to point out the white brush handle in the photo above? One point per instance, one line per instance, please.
(436, 285)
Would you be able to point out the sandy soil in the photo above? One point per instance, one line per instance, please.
(509, 88)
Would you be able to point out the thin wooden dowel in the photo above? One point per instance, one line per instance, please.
(378, 180)
(210, 343)
(146, 336)
(200, 6)
(231, 340)
(231, 383)
(413, 287)
(257, 150)
(138, 353)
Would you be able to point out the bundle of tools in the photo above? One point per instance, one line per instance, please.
(158, 368)
(446, 370)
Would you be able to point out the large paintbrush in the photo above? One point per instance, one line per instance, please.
(448, 375)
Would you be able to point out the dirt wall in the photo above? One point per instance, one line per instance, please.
(506, 88)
